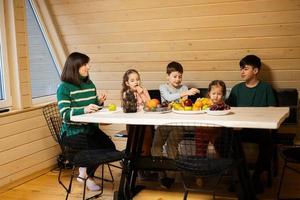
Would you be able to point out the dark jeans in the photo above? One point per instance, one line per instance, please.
(263, 138)
(94, 140)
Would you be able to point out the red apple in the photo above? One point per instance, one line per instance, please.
(188, 102)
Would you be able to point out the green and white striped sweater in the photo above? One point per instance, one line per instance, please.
(71, 101)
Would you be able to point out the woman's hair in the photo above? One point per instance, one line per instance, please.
(126, 78)
(70, 73)
(217, 83)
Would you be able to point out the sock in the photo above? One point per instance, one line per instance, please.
(91, 185)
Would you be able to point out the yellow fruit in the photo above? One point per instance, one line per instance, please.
(177, 106)
(205, 107)
(198, 103)
(187, 108)
(112, 107)
(196, 108)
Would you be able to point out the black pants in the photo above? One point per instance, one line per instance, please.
(95, 139)
(263, 138)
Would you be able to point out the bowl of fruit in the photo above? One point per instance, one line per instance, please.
(219, 109)
(154, 106)
(186, 106)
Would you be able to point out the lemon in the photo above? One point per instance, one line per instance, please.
(112, 107)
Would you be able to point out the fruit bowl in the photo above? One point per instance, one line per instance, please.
(218, 112)
(188, 112)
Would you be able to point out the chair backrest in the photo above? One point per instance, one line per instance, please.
(288, 97)
(54, 121)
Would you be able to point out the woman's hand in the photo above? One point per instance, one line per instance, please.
(91, 108)
(102, 97)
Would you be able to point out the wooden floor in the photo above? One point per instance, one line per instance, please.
(46, 187)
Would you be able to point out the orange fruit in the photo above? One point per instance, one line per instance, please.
(157, 101)
(151, 103)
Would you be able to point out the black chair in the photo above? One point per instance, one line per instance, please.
(201, 151)
(78, 158)
(290, 155)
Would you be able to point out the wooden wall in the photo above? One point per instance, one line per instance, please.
(208, 37)
(26, 146)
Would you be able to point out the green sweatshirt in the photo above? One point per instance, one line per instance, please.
(262, 95)
(71, 101)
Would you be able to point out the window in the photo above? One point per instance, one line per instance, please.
(44, 71)
(5, 99)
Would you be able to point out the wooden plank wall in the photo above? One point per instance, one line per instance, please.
(22, 53)
(208, 37)
(26, 146)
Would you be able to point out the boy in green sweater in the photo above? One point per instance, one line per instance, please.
(254, 93)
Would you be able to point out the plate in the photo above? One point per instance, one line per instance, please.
(105, 110)
(188, 112)
(218, 112)
(159, 110)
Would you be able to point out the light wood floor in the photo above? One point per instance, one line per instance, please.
(46, 187)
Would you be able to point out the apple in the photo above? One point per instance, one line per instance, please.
(188, 102)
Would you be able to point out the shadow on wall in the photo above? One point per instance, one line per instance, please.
(266, 74)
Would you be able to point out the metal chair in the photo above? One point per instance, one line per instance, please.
(200, 151)
(290, 155)
(74, 158)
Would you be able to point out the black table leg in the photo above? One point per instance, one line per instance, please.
(127, 188)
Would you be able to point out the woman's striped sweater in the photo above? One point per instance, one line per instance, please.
(71, 101)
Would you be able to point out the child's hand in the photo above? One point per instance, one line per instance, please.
(91, 108)
(139, 89)
(193, 91)
(102, 97)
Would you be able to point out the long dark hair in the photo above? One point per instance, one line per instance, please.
(126, 78)
(70, 73)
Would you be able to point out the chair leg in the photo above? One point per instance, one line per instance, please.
(70, 184)
(111, 175)
(59, 179)
(84, 188)
(281, 179)
(185, 194)
(110, 172)
(217, 183)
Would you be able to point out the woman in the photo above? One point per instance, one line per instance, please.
(77, 95)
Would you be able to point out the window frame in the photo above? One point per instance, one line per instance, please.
(7, 102)
(49, 98)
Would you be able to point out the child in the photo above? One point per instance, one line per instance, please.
(256, 93)
(76, 95)
(204, 135)
(173, 90)
(132, 84)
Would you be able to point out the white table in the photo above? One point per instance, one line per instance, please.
(240, 117)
